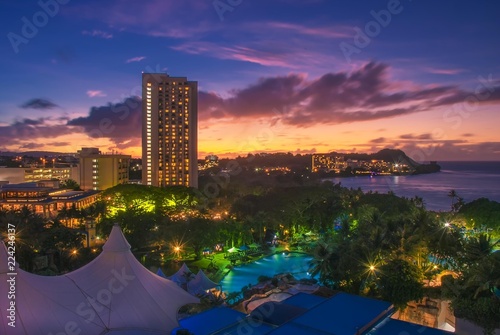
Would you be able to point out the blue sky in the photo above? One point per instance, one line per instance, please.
(272, 74)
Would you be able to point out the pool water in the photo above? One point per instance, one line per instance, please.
(294, 263)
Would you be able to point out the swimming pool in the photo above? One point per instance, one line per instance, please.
(295, 263)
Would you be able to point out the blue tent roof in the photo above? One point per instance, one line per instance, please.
(210, 321)
(304, 300)
(343, 314)
(305, 314)
(245, 326)
(392, 326)
(294, 329)
(276, 313)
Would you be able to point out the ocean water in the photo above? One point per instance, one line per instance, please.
(471, 180)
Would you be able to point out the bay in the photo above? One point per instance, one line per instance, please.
(471, 180)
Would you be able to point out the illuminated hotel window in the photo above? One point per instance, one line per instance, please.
(149, 84)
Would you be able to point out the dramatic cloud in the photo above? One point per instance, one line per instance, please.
(31, 146)
(379, 140)
(30, 130)
(135, 59)
(453, 150)
(59, 144)
(308, 30)
(39, 103)
(98, 33)
(120, 122)
(279, 53)
(95, 93)
(444, 71)
(425, 136)
(364, 94)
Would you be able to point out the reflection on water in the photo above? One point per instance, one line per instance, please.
(471, 180)
(239, 276)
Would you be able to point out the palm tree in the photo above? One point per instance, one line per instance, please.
(419, 201)
(486, 276)
(452, 194)
(321, 264)
(479, 247)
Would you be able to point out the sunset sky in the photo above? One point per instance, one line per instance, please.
(299, 76)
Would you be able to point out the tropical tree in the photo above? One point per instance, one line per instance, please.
(70, 184)
(400, 282)
(482, 215)
(452, 195)
(321, 264)
(477, 248)
(474, 294)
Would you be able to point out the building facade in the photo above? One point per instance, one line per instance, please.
(328, 163)
(44, 198)
(15, 175)
(169, 130)
(59, 173)
(101, 171)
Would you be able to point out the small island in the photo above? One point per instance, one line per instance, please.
(318, 165)
(384, 162)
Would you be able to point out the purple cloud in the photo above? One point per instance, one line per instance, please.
(121, 122)
(98, 33)
(29, 129)
(135, 59)
(342, 97)
(39, 103)
(95, 93)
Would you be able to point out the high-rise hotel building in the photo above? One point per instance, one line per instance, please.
(169, 130)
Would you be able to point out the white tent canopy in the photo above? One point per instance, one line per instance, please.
(200, 284)
(182, 275)
(113, 294)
